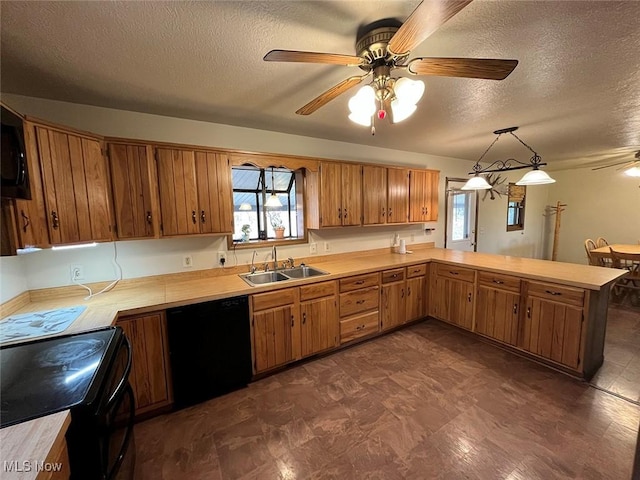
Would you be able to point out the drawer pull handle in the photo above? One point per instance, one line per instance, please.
(202, 216)
(193, 216)
(359, 282)
(417, 270)
(345, 213)
(383, 212)
(360, 302)
(395, 275)
(515, 308)
(148, 217)
(453, 273)
(409, 292)
(499, 282)
(339, 213)
(551, 292)
(304, 318)
(292, 321)
(528, 312)
(469, 297)
(402, 295)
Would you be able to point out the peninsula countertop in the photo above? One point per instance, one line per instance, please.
(160, 292)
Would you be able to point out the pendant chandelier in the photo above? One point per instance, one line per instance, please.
(534, 177)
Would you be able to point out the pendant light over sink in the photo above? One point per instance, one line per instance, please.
(273, 201)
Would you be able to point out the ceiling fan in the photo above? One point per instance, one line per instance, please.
(631, 167)
(385, 46)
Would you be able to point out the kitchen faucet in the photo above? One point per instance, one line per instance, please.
(274, 255)
(253, 268)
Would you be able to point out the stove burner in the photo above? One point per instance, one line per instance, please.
(69, 352)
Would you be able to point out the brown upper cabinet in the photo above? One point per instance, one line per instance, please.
(340, 195)
(385, 193)
(31, 215)
(75, 184)
(135, 193)
(195, 192)
(423, 195)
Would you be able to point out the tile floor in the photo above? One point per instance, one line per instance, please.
(424, 402)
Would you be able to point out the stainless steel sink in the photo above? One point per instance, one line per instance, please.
(254, 279)
(295, 273)
(303, 272)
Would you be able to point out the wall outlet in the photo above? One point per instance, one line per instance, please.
(327, 247)
(77, 272)
(222, 258)
(313, 248)
(187, 261)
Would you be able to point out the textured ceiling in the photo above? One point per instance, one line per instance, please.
(575, 93)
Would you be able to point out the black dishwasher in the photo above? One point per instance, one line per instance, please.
(210, 349)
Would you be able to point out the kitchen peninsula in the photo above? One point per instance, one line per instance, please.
(557, 310)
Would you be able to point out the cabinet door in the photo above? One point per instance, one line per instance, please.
(497, 313)
(431, 196)
(393, 308)
(273, 337)
(417, 194)
(416, 298)
(398, 195)
(351, 194)
(330, 195)
(178, 192)
(214, 193)
(149, 373)
(319, 325)
(76, 186)
(457, 302)
(374, 195)
(133, 183)
(553, 330)
(31, 215)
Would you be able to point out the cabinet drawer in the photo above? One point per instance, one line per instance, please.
(359, 281)
(263, 301)
(359, 326)
(395, 275)
(359, 301)
(318, 290)
(416, 271)
(557, 293)
(502, 282)
(457, 273)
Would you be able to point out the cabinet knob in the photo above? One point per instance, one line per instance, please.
(202, 216)
(193, 216)
(149, 217)
(304, 318)
(55, 221)
(528, 312)
(515, 308)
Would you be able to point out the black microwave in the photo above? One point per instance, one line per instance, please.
(13, 160)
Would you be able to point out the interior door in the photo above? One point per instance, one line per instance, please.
(461, 216)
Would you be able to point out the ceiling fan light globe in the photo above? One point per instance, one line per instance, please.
(633, 171)
(476, 183)
(535, 177)
(409, 91)
(401, 111)
(362, 105)
(364, 120)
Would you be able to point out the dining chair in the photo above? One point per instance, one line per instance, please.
(601, 242)
(629, 285)
(588, 246)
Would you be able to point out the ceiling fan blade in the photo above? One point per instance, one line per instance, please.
(624, 164)
(486, 68)
(329, 95)
(312, 57)
(425, 19)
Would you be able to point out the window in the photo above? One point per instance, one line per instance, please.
(460, 216)
(515, 207)
(254, 220)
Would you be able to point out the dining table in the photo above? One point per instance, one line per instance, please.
(604, 253)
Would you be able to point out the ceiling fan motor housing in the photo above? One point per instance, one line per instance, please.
(372, 46)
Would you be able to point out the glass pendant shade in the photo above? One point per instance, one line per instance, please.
(401, 111)
(476, 183)
(273, 201)
(633, 171)
(245, 207)
(535, 177)
(408, 91)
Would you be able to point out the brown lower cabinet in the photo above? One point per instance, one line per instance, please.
(319, 318)
(150, 372)
(453, 300)
(498, 307)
